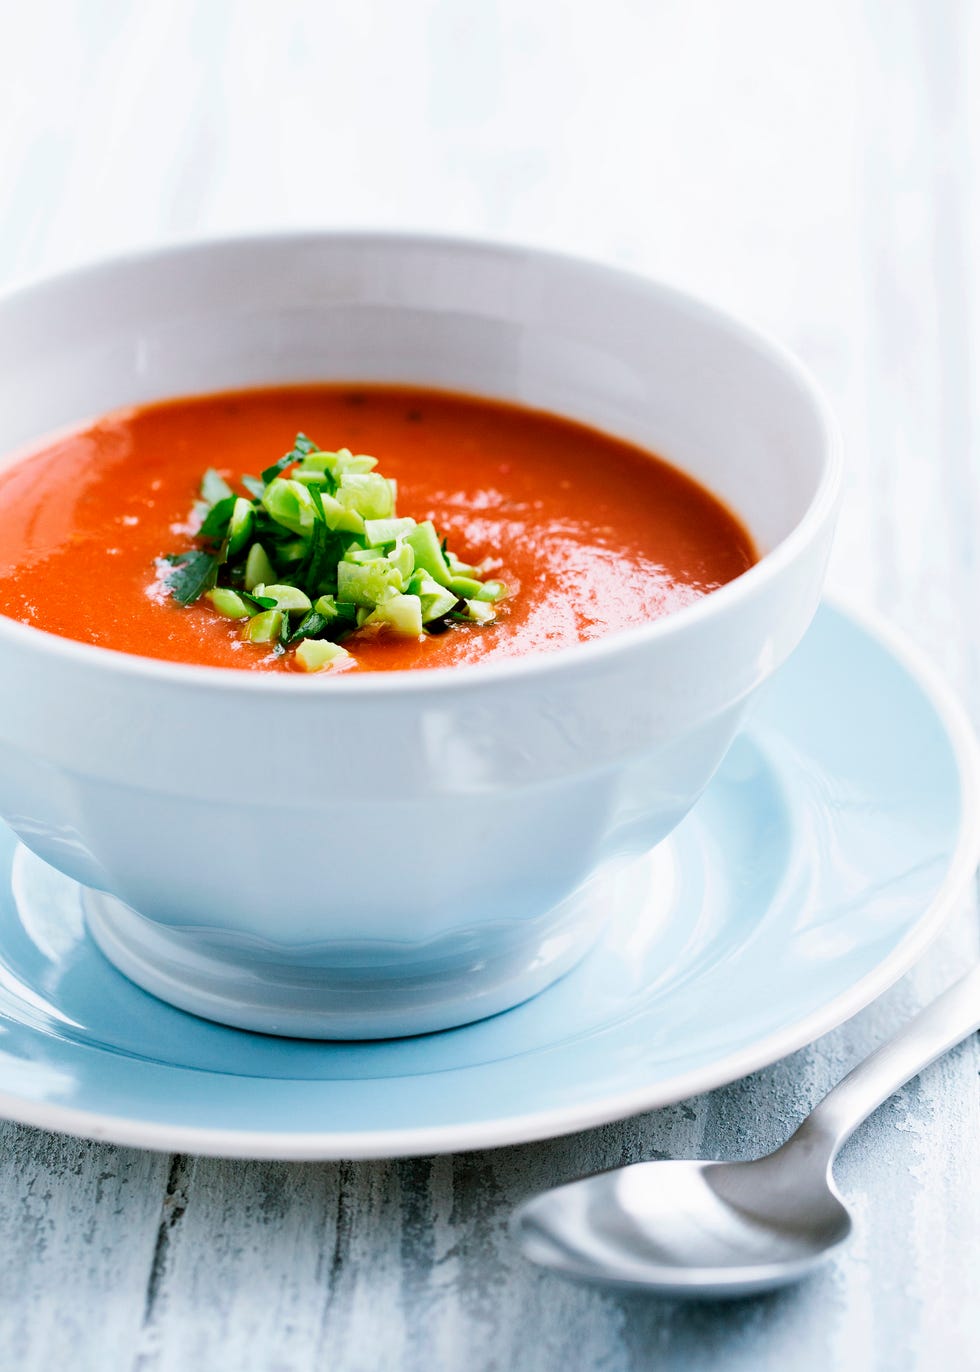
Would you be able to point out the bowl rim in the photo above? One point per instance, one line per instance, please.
(440, 679)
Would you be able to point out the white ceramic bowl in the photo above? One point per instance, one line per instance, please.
(239, 814)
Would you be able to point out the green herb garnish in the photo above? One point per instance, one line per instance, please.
(311, 625)
(193, 574)
(316, 551)
(300, 449)
(217, 519)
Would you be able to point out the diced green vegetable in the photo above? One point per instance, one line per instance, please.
(365, 555)
(366, 493)
(464, 586)
(436, 600)
(228, 603)
(285, 597)
(319, 551)
(266, 627)
(480, 612)
(402, 557)
(402, 612)
(378, 532)
(343, 612)
(328, 607)
(339, 517)
(424, 543)
(258, 569)
(290, 504)
(438, 605)
(366, 583)
(240, 525)
(353, 464)
(319, 462)
(314, 655)
(491, 590)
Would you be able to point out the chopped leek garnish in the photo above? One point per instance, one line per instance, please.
(316, 551)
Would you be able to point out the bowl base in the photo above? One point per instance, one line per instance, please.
(362, 991)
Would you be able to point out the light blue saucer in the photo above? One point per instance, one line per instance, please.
(816, 867)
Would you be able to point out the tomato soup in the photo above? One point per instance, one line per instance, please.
(590, 534)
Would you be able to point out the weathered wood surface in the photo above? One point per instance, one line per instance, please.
(816, 168)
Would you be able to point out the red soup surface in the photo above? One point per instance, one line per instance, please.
(591, 534)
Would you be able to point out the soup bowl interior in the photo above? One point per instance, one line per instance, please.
(395, 853)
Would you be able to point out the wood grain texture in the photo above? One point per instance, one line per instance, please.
(815, 168)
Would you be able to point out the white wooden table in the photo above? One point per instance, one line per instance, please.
(813, 167)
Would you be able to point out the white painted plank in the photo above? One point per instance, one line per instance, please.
(79, 1226)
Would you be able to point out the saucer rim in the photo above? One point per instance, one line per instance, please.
(510, 1130)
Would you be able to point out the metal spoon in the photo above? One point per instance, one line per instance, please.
(722, 1229)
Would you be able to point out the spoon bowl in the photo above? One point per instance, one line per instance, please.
(686, 1228)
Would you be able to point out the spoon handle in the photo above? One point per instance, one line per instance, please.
(952, 1017)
